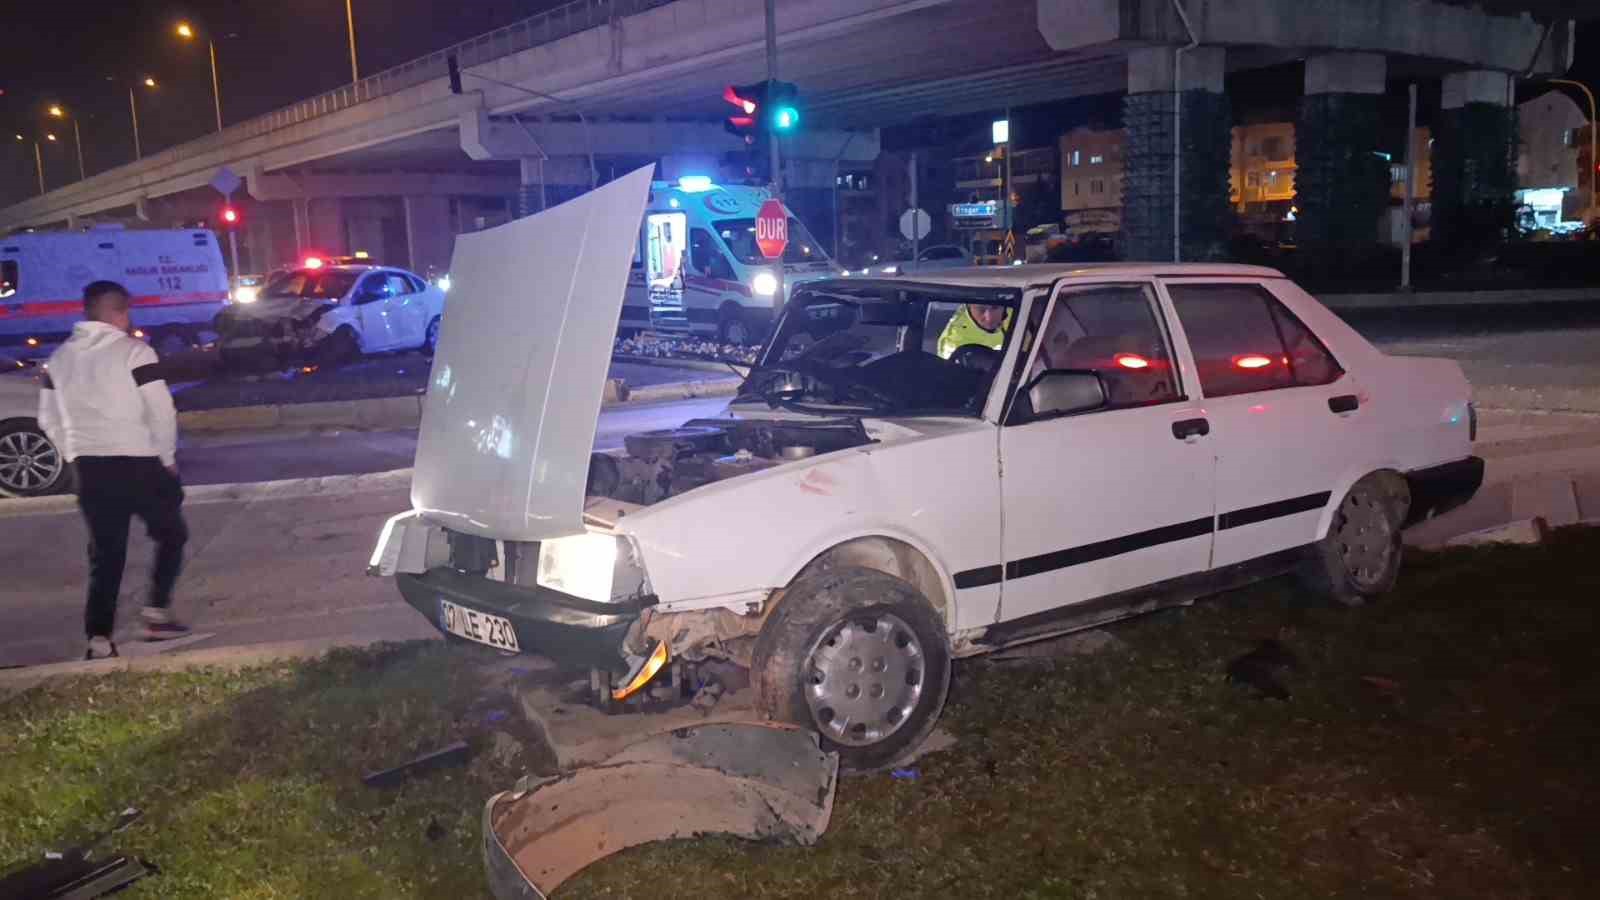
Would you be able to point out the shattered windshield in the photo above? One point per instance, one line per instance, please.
(309, 284)
(889, 351)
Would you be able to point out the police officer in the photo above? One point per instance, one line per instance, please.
(974, 324)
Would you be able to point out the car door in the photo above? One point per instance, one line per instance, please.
(408, 309)
(1281, 410)
(371, 298)
(1112, 499)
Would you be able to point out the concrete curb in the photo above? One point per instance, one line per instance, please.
(703, 365)
(287, 489)
(406, 412)
(234, 657)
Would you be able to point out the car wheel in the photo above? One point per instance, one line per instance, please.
(858, 656)
(1360, 557)
(733, 329)
(339, 348)
(430, 340)
(30, 465)
(169, 342)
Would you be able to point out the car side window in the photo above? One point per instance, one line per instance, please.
(1115, 331)
(9, 276)
(706, 258)
(373, 288)
(397, 285)
(1245, 341)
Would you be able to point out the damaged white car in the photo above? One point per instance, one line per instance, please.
(917, 469)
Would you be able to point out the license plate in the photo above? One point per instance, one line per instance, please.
(477, 626)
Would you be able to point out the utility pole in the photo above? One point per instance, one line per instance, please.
(916, 215)
(350, 25)
(38, 165)
(133, 108)
(1411, 188)
(77, 138)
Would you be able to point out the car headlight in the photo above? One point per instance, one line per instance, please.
(604, 568)
(245, 294)
(764, 284)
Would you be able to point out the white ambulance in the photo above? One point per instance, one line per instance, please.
(697, 268)
(176, 278)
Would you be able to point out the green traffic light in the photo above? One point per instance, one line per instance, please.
(785, 118)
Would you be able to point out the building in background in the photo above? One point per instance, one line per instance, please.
(1091, 180)
(1552, 144)
(1261, 176)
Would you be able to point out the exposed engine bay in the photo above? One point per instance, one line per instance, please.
(664, 463)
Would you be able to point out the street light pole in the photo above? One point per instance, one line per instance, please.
(38, 166)
(1594, 142)
(216, 88)
(133, 110)
(77, 138)
(350, 26)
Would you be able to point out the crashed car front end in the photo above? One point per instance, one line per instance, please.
(283, 329)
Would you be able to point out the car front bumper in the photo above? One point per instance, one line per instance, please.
(568, 629)
(1438, 489)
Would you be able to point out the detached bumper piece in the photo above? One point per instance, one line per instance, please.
(761, 782)
(1438, 489)
(565, 628)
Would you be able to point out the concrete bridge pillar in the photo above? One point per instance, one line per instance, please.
(1474, 158)
(531, 194)
(325, 216)
(1148, 159)
(1341, 185)
(430, 233)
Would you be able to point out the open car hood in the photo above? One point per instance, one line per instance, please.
(509, 418)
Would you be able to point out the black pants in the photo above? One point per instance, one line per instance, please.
(111, 490)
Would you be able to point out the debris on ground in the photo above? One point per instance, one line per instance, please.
(937, 741)
(434, 832)
(1260, 667)
(761, 782)
(904, 774)
(454, 755)
(73, 874)
(707, 696)
(666, 347)
(1079, 643)
(504, 749)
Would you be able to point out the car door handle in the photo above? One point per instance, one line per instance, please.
(1189, 429)
(1344, 403)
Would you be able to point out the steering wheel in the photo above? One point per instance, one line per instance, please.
(976, 356)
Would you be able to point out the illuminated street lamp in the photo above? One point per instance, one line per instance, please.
(187, 32)
(56, 112)
(133, 110)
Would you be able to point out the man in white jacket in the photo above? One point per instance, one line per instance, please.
(108, 409)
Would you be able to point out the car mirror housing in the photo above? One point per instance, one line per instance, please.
(1065, 392)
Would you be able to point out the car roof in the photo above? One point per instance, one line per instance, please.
(1038, 273)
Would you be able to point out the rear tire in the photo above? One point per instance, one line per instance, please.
(30, 465)
(1359, 559)
(171, 341)
(858, 656)
(430, 340)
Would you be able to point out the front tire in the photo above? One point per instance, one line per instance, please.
(430, 339)
(1359, 559)
(861, 658)
(339, 348)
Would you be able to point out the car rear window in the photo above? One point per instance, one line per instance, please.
(1245, 341)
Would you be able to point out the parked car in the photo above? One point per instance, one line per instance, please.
(333, 313)
(1147, 433)
(30, 464)
(929, 259)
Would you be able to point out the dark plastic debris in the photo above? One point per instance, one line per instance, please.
(454, 755)
(905, 774)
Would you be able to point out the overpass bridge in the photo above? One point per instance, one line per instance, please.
(397, 161)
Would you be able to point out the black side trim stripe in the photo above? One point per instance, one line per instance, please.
(147, 373)
(1087, 553)
(977, 577)
(1252, 514)
(46, 383)
(1076, 556)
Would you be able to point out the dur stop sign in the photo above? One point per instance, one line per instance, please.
(772, 229)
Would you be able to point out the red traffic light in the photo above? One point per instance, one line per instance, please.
(741, 98)
(230, 216)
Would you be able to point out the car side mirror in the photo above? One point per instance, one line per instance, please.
(1064, 392)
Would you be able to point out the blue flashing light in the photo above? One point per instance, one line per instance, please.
(695, 184)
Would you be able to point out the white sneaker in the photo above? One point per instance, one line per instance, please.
(159, 624)
(100, 648)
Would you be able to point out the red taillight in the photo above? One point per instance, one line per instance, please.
(1131, 361)
(313, 262)
(1252, 361)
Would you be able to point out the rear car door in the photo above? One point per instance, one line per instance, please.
(1283, 413)
(1116, 498)
(408, 309)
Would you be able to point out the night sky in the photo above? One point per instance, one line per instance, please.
(85, 53)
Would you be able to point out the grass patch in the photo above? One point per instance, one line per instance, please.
(1436, 745)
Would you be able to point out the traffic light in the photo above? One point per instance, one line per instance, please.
(230, 218)
(764, 109)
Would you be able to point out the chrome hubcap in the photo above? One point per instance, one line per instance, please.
(28, 462)
(863, 678)
(1365, 536)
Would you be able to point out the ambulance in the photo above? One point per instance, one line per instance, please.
(176, 278)
(697, 269)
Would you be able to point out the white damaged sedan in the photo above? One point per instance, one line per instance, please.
(1086, 443)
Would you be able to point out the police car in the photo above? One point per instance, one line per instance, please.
(872, 505)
